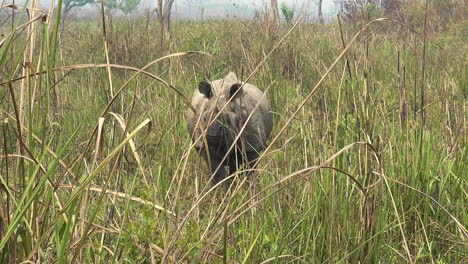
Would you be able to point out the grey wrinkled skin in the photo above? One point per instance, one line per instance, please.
(209, 100)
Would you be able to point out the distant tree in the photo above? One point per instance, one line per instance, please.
(69, 4)
(287, 12)
(320, 13)
(126, 6)
(164, 16)
(167, 13)
(163, 11)
(359, 10)
(274, 8)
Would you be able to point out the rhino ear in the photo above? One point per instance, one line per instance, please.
(234, 88)
(205, 89)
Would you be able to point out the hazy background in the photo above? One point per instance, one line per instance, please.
(196, 9)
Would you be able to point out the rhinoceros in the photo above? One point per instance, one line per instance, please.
(223, 107)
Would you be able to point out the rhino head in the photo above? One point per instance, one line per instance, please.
(223, 109)
(220, 120)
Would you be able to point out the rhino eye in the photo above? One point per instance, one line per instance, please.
(205, 89)
(234, 89)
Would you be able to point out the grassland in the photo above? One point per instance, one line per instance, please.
(368, 161)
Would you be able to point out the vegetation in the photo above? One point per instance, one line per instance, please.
(126, 6)
(367, 162)
(288, 13)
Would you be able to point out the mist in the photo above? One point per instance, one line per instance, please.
(204, 9)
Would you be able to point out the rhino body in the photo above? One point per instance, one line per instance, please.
(233, 102)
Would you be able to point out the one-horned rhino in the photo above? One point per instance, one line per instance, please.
(226, 108)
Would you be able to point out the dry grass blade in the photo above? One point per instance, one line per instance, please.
(38, 140)
(177, 54)
(308, 170)
(20, 28)
(41, 168)
(161, 251)
(124, 196)
(255, 201)
(117, 66)
(319, 83)
(273, 49)
(84, 184)
(397, 214)
(23, 157)
(106, 49)
(281, 257)
(99, 141)
(121, 122)
(461, 227)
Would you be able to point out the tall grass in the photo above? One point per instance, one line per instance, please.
(97, 164)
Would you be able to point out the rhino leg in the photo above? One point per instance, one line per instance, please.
(252, 159)
(214, 161)
(236, 158)
(236, 161)
(221, 173)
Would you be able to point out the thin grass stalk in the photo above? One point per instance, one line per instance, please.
(429, 246)
(344, 46)
(296, 176)
(415, 91)
(12, 48)
(17, 117)
(25, 202)
(252, 245)
(45, 54)
(123, 196)
(106, 49)
(52, 55)
(97, 207)
(463, 230)
(86, 181)
(225, 234)
(26, 86)
(423, 80)
(333, 190)
(110, 82)
(312, 92)
(5, 207)
(125, 220)
(117, 66)
(161, 15)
